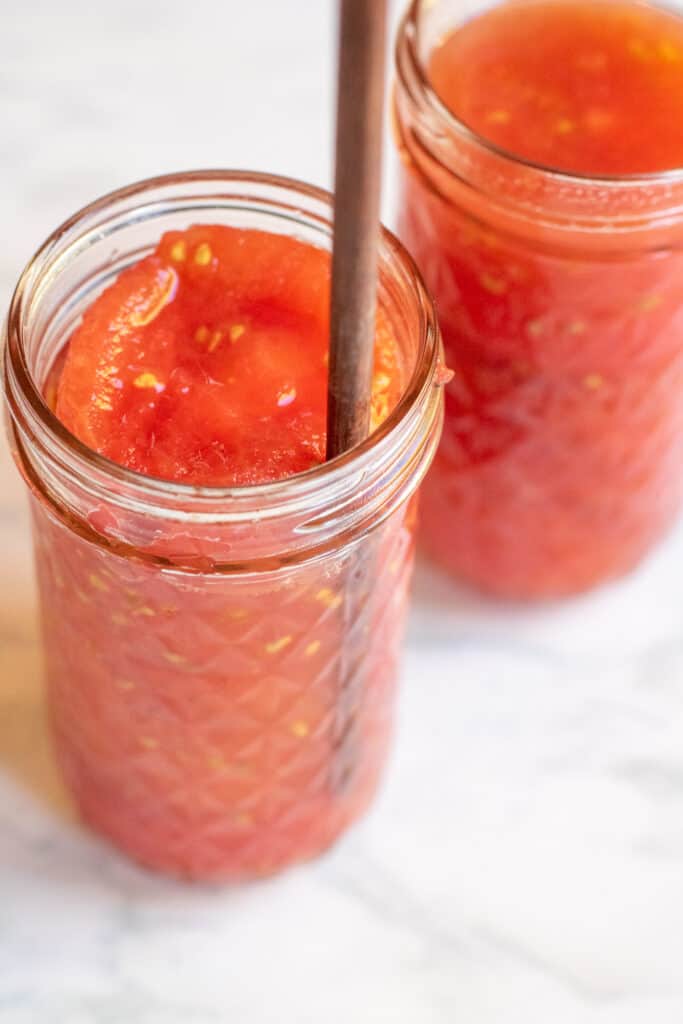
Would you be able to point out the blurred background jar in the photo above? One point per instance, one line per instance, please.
(560, 298)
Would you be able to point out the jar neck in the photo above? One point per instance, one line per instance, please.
(601, 213)
(260, 526)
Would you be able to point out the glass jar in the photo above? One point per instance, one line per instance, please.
(560, 299)
(220, 662)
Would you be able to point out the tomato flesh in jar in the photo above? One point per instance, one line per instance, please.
(560, 461)
(206, 362)
(594, 88)
(217, 726)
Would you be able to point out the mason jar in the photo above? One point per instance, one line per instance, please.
(560, 299)
(221, 662)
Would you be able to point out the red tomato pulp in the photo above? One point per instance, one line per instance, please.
(595, 88)
(217, 725)
(206, 362)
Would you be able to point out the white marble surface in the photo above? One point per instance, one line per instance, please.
(525, 859)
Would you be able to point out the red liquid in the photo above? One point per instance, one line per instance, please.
(562, 450)
(217, 726)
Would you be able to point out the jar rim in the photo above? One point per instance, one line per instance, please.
(19, 379)
(407, 45)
